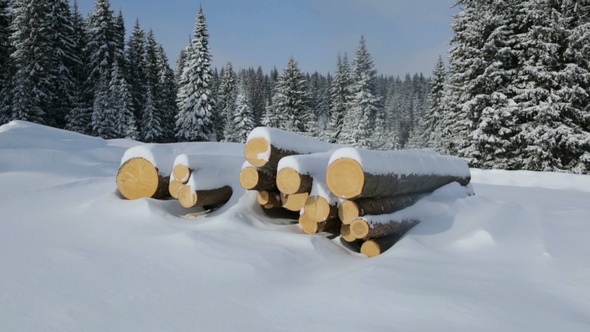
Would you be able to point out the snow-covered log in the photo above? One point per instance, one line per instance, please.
(139, 178)
(266, 146)
(253, 178)
(174, 186)
(188, 197)
(318, 209)
(350, 210)
(289, 181)
(296, 173)
(356, 173)
(369, 227)
(269, 199)
(377, 246)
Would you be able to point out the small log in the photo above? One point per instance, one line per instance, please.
(181, 173)
(173, 187)
(377, 246)
(261, 153)
(309, 226)
(289, 181)
(318, 209)
(398, 172)
(362, 229)
(189, 197)
(349, 210)
(138, 178)
(252, 178)
(294, 202)
(269, 199)
(345, 233)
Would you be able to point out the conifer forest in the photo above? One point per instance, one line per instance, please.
(514, 93)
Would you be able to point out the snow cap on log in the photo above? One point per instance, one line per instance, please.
(354, 173)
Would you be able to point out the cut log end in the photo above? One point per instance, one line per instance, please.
(249, 178)
(318, 209)
(289, 181)
(307, 225)
(346, 234)
(359, 228)
(294, 202)
(269, 199)
(173, 187)
(181, 173)
(138, 178)
(257, 151)
(345, 177)
(371, 248)
(348, 211)
(187, 196)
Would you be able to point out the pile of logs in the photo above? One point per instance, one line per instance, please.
(181, 172)
(342, 190)
(339, 190)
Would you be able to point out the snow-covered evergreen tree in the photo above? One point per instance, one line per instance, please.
(242, 121)
(151, 114)
(290, 99)
(358, 124)
(121, 102)
(104, 115)
(166, 88)
(340, 97)
(136, 60)
(226, 100)
(102, 43)
(193, 122)
(6, 67)
(432, 131)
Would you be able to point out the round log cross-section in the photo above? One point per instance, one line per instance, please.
(289, 181)
(138, 178)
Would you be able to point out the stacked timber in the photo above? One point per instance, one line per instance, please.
(374, 185)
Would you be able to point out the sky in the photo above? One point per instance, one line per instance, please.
(402, 36)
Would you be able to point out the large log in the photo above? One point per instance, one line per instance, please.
(356, 173)
(363, 228)
(349, 210)
(266, 146)
(189, 197)
(139, 178)
(252, 178)
(294, 202)
(377, 246)
(318, 209)
(290, 181)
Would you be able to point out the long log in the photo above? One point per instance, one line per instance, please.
(355, 173)
(363, 229)
(318, 209)
(139, 178)
(189, 197)
(294, 202)
(266, 146)
(252, 178)
(377, 246)
(269, 199)
(349, 210)
(290, 181)
(309, 226)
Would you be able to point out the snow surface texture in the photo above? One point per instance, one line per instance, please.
(75, 256)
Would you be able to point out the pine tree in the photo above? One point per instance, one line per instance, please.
(121, 103)
(136, 75)
(166, 88)
(226, 100)
(102, 44)
(193, 122)
(432, 130)
(340, 97)
(104, 115)
(6, 67)
(359, 124)
(151, 114)
(242, 120)
(290, 99)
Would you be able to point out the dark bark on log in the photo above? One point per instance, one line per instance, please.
(349, 210)
(252, 178)
(198, 198)
(363, 230)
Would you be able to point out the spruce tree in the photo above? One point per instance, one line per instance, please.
(226, 100)
(136, 71)
(120, 101)
(242, 120)
(6, 67)
(340, 98)
(166, 88)
(150, 112)
(193, 122)
(290, 99)
(432, 129)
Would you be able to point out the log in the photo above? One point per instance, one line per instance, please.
(355, 173)
(294, 202)
(269, 199)
(290, 181)
(266, 146)
(189, 197)
(362, 229)
(345, 233)
(173, 187)
(139, 178)
(318, 209)
(252, 178)
(309, 226)
(349, 210)
(181, 173)
(377, 246)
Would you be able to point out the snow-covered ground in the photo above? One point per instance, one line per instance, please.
(75, 256)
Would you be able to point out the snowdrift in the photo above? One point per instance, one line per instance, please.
(76, 256)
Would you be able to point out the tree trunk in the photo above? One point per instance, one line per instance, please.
(318, 209)
(252, 178)
(349, 210)
(269, 199)
(362, 229)
(189, 197)
(377, 246)
(347, 179)
(138, 178)
(261, 153)
(289, 181)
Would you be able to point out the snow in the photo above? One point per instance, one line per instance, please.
(422, 161)
(75, 256)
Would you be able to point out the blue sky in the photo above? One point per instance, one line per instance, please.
(403, 36)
